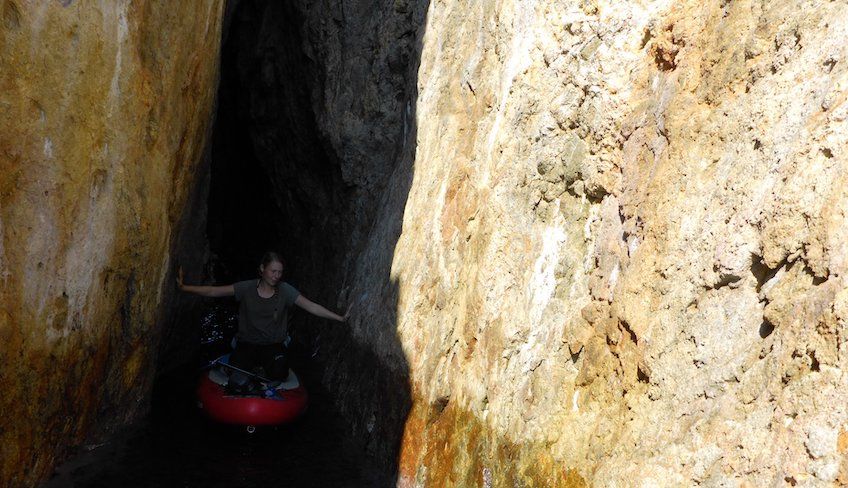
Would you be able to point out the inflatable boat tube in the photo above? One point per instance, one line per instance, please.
(281, 404)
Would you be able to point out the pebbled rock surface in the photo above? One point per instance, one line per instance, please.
(104, 114)
(616, 252)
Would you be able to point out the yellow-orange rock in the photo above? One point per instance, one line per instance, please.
(624, 248)
(104, 112)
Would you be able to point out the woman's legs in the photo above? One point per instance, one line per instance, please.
(245, 356)
(272, 357)
(275, 361)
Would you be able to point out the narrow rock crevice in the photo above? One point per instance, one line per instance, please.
(316, 163)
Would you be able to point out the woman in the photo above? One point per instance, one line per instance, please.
(263, 316)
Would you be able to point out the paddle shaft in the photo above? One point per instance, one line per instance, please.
(234, 368)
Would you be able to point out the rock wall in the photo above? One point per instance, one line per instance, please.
(615, 251)
(587, 243)
(104, 108)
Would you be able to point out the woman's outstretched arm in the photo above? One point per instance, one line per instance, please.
(318, 310)
(203, 290)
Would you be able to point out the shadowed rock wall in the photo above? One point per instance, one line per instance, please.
(322, 110)
(104, 108)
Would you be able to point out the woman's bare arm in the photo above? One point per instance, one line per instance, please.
(318, 310)
(204, 290)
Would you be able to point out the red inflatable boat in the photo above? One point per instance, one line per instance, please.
(281, 404)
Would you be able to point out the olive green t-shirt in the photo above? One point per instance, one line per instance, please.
(263, 320)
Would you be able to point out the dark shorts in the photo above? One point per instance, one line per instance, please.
(272, 358)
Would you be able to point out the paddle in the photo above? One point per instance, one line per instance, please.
(254, 375)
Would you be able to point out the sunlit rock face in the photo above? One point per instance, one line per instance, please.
(623, 248)
(104, 111)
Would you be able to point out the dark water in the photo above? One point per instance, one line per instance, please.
(176, 446)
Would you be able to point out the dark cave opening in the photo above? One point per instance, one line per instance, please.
(273, 184)
(305, 166)
(269, 183)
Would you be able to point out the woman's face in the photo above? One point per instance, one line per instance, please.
(272, 273)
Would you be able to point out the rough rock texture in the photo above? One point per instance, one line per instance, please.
(623, 246)
(587, 242)
(104, 113)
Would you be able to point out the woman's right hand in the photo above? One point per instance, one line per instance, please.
(180, 278)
